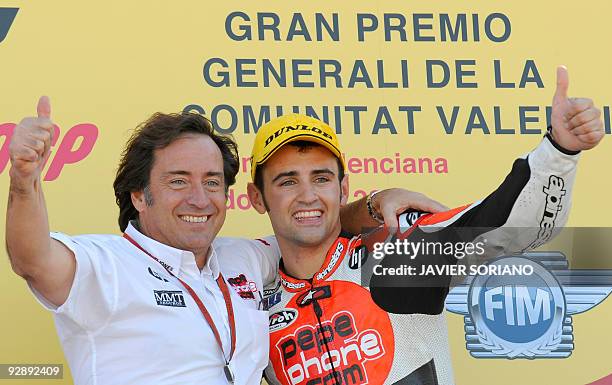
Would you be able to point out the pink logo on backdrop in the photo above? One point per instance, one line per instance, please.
(67, 149)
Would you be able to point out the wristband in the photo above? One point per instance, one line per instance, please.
(550, 137)
(371, 209)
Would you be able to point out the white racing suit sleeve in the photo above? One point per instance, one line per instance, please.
(525, 211)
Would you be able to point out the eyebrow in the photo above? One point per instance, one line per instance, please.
(182, 172)
(294, 173)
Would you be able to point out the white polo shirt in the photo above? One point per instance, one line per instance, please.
(127, 321)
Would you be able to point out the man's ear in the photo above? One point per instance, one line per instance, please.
(138, 200)
(256, 198)
(344, 190)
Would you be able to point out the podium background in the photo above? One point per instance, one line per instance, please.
(114, 63)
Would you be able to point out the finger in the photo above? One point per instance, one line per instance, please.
(578, 105)
(428, 205)
(43, 135)
(592, 137)
(433, 206)
(562, 85)
(44, 107)
(35, 145)
(389, 216)
(592, 126)
(584, 117)
(25, 154)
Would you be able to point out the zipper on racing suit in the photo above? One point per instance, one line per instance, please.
(319, 313)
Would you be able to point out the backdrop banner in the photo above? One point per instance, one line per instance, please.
(435, 97)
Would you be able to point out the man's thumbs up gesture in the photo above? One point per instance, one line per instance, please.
(576, 122)
(30, 144)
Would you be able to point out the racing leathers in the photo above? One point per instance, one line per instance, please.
(332, 330)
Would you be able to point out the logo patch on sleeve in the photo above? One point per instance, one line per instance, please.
(169, 298)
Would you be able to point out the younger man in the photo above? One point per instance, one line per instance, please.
(325, 328)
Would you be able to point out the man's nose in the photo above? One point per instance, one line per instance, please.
(198, 196)
(308, 193)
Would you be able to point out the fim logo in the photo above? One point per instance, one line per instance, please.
(7, 15)
(527, 316)
(169, 298)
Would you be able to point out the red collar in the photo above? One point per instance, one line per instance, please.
(335, 255)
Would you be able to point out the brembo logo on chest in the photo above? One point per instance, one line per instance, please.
(305, 358)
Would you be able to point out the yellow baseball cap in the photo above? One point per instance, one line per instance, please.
(290, 128)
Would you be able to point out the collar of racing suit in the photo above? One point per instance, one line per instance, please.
(335, 254)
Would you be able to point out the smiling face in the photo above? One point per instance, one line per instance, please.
(302, 196)
(184, 206)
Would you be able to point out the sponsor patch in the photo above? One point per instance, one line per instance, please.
(282, 319)
(315, 293)
(291, 285)
(270, 291)
(272, 300)
(169, 298)
(332, 262)
(554, 193)
(358, 257)
(409, 218)
(243, 286)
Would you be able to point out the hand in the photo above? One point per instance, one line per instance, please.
(31, 143)
(576, 122)
(392, 202)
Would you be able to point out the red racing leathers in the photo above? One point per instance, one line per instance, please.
(332, 330)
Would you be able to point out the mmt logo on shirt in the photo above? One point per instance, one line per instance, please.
(169, 298)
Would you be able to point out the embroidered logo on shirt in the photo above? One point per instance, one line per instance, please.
(169, 298)
(156, 275)
(243, 286)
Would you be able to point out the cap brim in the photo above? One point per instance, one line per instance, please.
(294, 138)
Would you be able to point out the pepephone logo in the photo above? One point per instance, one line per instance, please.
(7, 15)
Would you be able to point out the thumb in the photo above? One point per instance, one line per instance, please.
(44, 107)
(562, 85)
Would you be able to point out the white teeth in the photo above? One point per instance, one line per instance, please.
(192, 219)
(307, 214)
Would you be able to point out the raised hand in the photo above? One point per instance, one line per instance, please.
(391, 202)
(576, 122)
(47, 265)
(31, 143)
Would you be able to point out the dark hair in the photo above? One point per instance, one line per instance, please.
(159, 131)
(301, 145)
